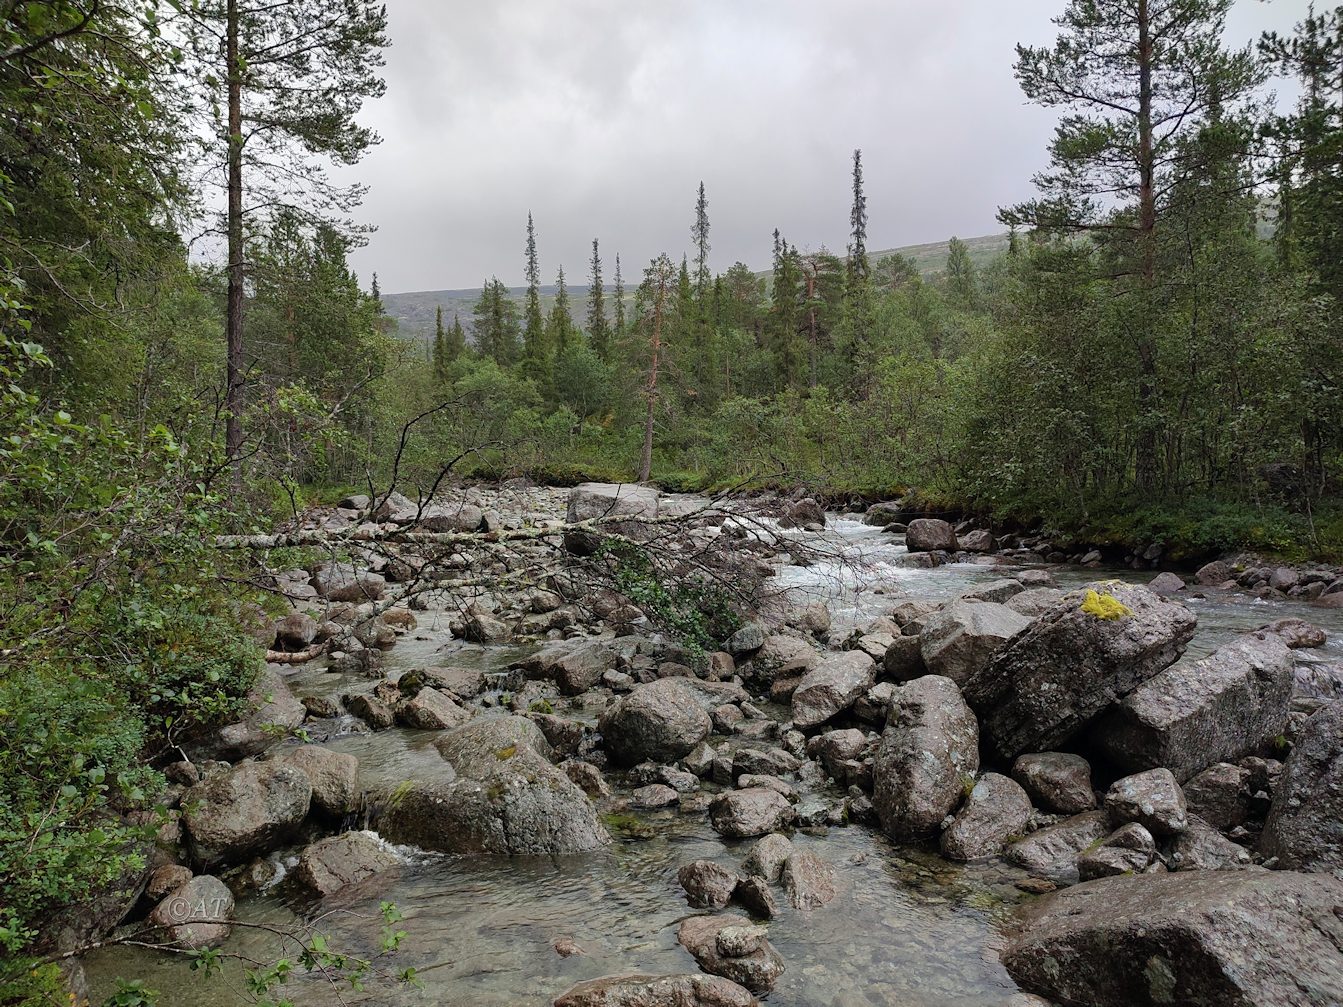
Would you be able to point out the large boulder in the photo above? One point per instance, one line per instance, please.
(500, 795)
(574, 665)
(1088, 651)
(1198, 938)
(196, 915)
(994, 811)
(1152, 799)
(658, 722)
(928, 757)
(1195, 713)
(930, 534)
(1305, 823)
(808, 880)
(959, 640)
(457, 516)
(729, 946)
(245, 812)
(595, 501)
(831, 687)
(431, 710)
(707, 885)
(696, 990)
(336, 862)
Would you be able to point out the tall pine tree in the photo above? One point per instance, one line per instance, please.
(533, 327)
(598, 333)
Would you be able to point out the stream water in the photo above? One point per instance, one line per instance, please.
(907, 928)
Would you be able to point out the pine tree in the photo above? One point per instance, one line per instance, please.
(284, 82)
(560, 325)
(1135, 81)
(859, 268)
(598, 334)
(533, 332)
(859, 322)
(496, 323)
(375, 293)
(700, 235)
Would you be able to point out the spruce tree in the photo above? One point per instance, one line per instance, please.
(533, 331)
(440, 346)
(960, 273)
(604, 352)
(859, 321)
(456, 345)
(700, 235)
(560, 325)
(598, 333)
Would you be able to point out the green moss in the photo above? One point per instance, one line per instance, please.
(506, 753)
(1105, 606)
(628, 826)
(541, 706)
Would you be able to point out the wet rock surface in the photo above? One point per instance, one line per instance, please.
(1236, 938)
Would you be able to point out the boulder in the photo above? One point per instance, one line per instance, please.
(927, 534)
(929, 752)
(1200, 847)
(1166, 583)
(336, 862)
(343, 581)
(479, 625)
(1297, 633)
(1052, 852)
(1215, 574)
(883, 513)
(730, 947)
(1217, 709)
(1201, 938)
(505, 797)
(245, 812)
(1088, 651)
(754, 895)
(1056, 781)
(997, 591)
(805, 513)
(1130, 849)
(596, 501)
(1304, 830)
(657, 991)
(197, 915)
(270, 707)
(996, 810)
(658, 722)
(1152, 799)
(333, 777)
(707, 885)
(371, 710)
(1219, 795)
(904, 659)
(295, 631)
(958, 641)
(831, 687)
(768, 856)
(754, 811)
(978, 540)
(1034, 601)
(808, 880)
(575, 666)
(451, 517)
(431, 710)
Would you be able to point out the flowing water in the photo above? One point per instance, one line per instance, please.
(907, 928)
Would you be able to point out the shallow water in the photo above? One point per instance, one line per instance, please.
(907, 928)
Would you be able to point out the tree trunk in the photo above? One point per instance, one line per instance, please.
(233, 399)
(1146, 461)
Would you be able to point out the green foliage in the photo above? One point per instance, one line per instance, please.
(698, 613)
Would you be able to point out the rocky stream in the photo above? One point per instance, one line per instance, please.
(885, 790)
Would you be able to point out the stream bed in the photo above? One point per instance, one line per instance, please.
(907, 927)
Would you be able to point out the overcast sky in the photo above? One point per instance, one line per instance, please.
(602, 116)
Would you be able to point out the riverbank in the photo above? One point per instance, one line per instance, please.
(765, 734)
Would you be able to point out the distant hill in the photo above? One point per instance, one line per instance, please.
(414, 311)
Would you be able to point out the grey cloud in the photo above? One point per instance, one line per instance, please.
(602, 116)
